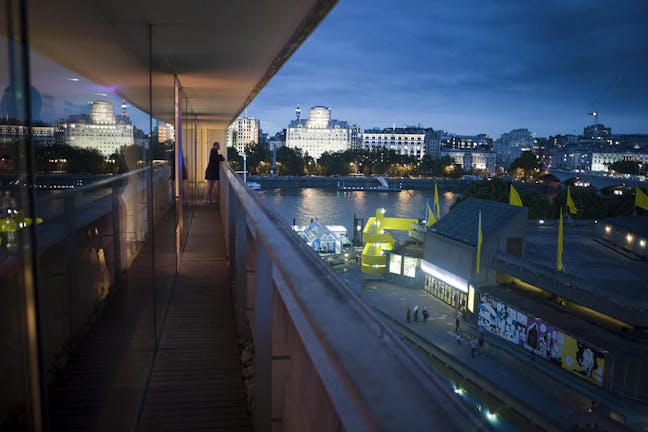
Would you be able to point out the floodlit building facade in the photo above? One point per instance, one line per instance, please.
(318, 133)
(601, 160)
(244, 131)
(103, 132)
(404, 141)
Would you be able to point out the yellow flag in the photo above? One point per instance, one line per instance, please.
(431, 219)
(514, 197)
(559, 264)
(480, 240)
(641, 199)
(437, 206)
(570, 202)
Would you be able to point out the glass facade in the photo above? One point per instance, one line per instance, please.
(91, 202)
(446, 293)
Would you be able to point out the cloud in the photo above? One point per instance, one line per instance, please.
(472, 65)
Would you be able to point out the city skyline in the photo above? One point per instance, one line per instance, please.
(470, 67)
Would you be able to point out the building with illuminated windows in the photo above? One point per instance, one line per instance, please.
(509, 146)
(404, 141)
(318, 133)
(102, 130)
(244, 131)
(601, 160)
(166, 132)
(586, 316)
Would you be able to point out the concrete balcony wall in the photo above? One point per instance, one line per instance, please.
(322, 360)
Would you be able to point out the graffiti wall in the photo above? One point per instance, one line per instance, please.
(541, 338)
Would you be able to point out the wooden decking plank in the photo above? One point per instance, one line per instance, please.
(111, 381)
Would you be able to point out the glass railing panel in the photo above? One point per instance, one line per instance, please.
(20, 374)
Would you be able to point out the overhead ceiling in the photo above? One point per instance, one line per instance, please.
(222, 51)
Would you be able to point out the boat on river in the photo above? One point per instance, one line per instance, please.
(377, 183)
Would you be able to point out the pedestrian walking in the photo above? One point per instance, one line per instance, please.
(457, 323)
(426, 314)
(481, 341)
(409, 314)
(473, 347)
(416, 309)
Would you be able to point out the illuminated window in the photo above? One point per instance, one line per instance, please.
(395, 263)
(409, 267)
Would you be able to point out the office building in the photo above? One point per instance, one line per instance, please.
(166, 132)
(509, 146)
(404, 141)
(602, 160)
(243, 132)
(101, 131)
(319, 133)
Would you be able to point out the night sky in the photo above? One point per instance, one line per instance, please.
(470, 66)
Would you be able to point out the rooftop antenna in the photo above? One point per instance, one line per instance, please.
(595, 115)
(298, 112)
(123, 108)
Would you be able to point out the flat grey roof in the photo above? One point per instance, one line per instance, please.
(636, 224)
(461, 223)
(600, 269)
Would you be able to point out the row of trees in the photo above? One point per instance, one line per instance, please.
(589, 204)
(71, 159)
(293, 162)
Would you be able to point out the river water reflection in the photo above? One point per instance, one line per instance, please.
(332, 207)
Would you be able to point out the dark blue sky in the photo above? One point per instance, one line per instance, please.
(471, 66)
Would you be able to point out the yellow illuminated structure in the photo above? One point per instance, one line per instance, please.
(377, 240)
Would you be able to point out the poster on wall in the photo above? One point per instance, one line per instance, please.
(395, 263)
(409, 267)
(541, 338)
(578, 358)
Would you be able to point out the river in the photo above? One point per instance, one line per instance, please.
(332, 207)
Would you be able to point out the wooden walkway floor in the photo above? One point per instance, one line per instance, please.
(116, 379)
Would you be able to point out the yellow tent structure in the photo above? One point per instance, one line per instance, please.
(377, 240)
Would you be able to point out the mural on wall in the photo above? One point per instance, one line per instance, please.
(541, 338)
(502, 320)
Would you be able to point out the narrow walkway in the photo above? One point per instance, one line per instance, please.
(116, 381)
(543, 394)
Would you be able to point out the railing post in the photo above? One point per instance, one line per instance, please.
(231, 223)
(116, 240)
(71, 264)
(263, 340)
(240, 267)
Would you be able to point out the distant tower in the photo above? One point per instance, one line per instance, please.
(123, 107)
(298, 112)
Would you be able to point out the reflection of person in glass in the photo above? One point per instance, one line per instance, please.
(213, 170)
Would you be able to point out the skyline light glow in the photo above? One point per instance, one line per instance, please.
(470, 67)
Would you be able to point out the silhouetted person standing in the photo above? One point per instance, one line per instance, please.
(213, 170)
